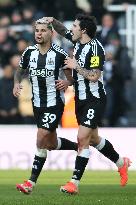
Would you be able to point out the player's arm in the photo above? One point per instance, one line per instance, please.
(93, 74)
(18, 76)
(63, 84)
(68, 74)
(21, 72)
(58, 27)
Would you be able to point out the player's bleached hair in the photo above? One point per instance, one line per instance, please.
(42, 21)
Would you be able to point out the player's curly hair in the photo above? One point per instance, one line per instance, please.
(88, 23)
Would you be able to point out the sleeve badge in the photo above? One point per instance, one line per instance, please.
(95, 61)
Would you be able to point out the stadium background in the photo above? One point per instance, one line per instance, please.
(16, 116)
(17, 126)
(16, 33)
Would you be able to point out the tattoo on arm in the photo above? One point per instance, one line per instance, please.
(19, 75)
(92, 75)
(59, 27)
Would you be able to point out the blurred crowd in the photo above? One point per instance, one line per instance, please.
(16, 33)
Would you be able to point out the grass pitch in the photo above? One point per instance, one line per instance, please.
(96, 188)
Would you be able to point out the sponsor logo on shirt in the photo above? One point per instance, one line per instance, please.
(41, 72)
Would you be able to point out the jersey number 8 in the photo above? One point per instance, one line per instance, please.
(90, 114)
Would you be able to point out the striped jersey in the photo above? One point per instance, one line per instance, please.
(43, 71)
(90, 56)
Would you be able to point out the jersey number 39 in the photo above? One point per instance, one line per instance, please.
(48, 119)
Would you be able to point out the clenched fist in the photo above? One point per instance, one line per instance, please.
(17, 89)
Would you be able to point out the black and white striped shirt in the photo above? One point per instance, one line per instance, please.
(43, 71)
(90, 56)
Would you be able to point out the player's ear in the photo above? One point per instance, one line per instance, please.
(84, 31)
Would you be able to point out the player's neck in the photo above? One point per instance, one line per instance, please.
(85, 39)
(43, 48)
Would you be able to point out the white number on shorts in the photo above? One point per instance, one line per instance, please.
(52, 117)
(49, 117)
(90, 114)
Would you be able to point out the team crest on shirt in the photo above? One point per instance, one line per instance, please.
(95, 61)
(33, 60)
(50, 62)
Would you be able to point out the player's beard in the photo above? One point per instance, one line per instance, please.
(76, 37)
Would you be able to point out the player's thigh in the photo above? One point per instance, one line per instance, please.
(49, 118)
(91, 113)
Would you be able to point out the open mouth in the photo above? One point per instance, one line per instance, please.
(39, 38)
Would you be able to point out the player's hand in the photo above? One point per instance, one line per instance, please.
(70, 62)
(17, 89)
(62, 84)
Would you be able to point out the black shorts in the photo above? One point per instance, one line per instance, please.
(48, 117)
(89, 112)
